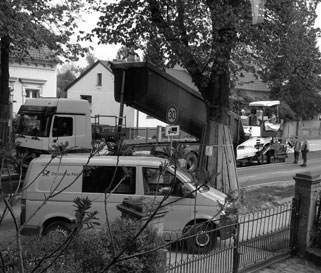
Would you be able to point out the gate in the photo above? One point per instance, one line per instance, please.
(259, 238)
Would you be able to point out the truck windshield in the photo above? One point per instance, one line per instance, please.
(33, 124)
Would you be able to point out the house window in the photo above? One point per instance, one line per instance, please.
(32, 93)
(99, 79)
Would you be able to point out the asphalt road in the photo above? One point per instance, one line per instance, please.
(278, 172)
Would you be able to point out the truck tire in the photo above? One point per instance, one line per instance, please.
(201, 239)
(60, 227)
(191, 162)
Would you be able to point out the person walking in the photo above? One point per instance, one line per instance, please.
(304, 151)
(297, 148)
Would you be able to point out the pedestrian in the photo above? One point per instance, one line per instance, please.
(297, 148)
(304, 151)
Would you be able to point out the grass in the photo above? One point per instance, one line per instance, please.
(260, 197)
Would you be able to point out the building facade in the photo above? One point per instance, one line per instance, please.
(96, 85)
(31, 77)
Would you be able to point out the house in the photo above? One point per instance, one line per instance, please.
(33, 76)
(96, 85)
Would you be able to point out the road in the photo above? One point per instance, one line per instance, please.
(278, 172)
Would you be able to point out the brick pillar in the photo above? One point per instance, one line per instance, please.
(307, 187)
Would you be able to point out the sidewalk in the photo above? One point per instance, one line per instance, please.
(292, 265)
(315, 145)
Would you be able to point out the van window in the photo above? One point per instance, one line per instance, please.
(155, 182)
(98, 179)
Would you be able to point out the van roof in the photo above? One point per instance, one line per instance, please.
(102, 159)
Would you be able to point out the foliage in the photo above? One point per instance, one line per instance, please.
(66, 75)
(68, 72)
(290, 58)
(127, 54)
(199, 35)
(46, 25)
(90, 251)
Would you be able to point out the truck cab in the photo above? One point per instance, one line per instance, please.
(263, 119)
(45, 122)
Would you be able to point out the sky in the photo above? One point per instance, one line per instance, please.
(108, 52)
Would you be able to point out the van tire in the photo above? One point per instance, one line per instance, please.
(201, 239)
(60, 227)
(191, 162)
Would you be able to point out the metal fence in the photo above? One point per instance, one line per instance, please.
(258, 237)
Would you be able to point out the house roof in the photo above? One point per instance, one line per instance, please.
(248, 81)
(43, 54)
(183, 76)
(103, 63)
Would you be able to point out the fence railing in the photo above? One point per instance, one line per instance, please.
(257, 237)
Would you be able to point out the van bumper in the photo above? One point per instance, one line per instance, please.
(30, 230)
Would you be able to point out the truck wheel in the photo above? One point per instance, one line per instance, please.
(201, 239)
(59, 227)
(191, 162)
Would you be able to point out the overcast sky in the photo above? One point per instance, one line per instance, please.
(108, 52)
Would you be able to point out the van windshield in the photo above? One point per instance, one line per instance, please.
(188, 178)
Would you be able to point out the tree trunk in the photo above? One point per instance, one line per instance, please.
(4, 90)
(220, 161)
(220, 164)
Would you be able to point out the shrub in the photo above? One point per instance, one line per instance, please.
(92, 250)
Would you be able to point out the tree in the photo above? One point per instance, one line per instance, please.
(46, 26)
(69, 72)
(293, 67)
(153, 53)
(201, 36)
(127, 54)
(66, 75)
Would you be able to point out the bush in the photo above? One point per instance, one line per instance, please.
(91, 251)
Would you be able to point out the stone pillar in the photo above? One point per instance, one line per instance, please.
(141, 209)
(307, 189)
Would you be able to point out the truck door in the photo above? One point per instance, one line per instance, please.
(62, 130)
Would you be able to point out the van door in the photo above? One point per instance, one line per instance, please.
(118, 182)
(63, 130)
(159, 184)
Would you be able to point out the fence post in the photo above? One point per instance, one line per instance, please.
(307, 187)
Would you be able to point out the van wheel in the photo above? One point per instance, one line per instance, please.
(201, 238)
(59, 227)
(191, 162)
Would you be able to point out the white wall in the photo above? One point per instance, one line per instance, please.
(34, 76)
(103, 101)
(147, 121)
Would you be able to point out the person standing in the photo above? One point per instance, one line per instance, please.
(304, 151)
(297, 149)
